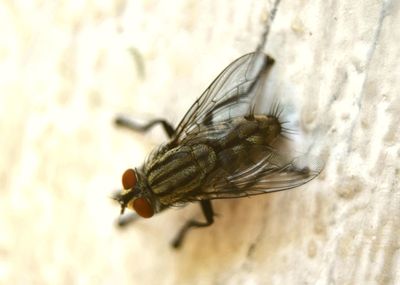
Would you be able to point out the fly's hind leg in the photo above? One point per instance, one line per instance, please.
(208, 212)
(130, 124)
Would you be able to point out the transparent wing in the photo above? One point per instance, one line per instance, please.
(272, 173)
(231, 94)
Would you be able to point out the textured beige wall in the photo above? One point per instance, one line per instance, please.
(66, 70)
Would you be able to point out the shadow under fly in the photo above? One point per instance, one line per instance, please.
(222, 148)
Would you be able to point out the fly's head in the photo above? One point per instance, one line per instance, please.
(136, 194)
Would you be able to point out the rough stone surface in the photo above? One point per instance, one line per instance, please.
(66, 69)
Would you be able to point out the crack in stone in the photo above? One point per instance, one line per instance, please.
(370, 55)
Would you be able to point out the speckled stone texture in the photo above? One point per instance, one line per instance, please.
(67, 68)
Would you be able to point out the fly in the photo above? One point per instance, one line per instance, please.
(221, 149)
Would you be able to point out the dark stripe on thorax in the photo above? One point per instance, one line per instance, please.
(181, 184)
(160, 163)
(171, 165)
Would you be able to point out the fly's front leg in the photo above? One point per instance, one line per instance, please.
(126, 219)
(208, 212)
(130, 124)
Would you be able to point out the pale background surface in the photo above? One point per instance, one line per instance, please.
(66, 70)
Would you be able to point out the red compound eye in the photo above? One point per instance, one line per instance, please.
(129, 179)
(143, 208)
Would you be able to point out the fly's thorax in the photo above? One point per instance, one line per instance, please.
(179, 170)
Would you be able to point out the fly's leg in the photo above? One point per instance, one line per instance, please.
(127, 123)
(126, 219)
(208, 212)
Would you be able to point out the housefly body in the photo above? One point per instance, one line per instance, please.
(222, 148)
